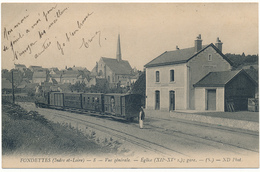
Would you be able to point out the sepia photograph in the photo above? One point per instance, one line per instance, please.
(130, 85)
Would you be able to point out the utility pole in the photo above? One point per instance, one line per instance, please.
(13, 86)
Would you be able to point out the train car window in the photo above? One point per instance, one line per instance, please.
(112, 100)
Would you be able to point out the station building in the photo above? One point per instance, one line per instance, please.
(183, 79)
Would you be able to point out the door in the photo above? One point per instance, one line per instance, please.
(211, 100)
(157, 100)
(172, 100)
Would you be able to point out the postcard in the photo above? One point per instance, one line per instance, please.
(130, 85)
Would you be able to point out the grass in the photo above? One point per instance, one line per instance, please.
(30, 133)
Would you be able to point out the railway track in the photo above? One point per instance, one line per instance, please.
(149, 145)
(145, 144)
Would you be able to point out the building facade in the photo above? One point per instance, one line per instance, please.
(115, 70)
(224, 91)
(170, 77)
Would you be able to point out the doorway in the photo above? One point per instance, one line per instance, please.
(172, 100)
(211, 99)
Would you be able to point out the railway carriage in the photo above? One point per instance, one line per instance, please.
(121, 105)
(72, 100)
(93, 101)
(56, 99)
(124, 105)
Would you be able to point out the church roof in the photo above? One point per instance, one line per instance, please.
(121, 67)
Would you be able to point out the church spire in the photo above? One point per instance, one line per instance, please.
(118, 52)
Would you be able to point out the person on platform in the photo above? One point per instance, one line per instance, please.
(141, 117)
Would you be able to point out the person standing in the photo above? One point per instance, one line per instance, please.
(141, 117)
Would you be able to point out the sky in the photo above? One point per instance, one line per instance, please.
(60, 34)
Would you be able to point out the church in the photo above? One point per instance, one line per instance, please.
(116, 70)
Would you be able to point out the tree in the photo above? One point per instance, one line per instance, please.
(78, 87)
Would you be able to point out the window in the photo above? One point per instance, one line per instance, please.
(93, 99)
(157, 76)
(157, 100)
(171, 75)
(210, 57)
(108, 78)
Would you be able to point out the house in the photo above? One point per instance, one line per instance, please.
(116, 71)
(52, 81)
(56, 76)
(171, 76)
(53, 70)
(39, 76)
(224, 91)
(71, 77)
(23, 84)
(20, 67)
(75, 68)
(35, 68)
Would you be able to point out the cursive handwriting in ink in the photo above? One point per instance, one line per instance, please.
(45, 46)
(86, 43)
(45, 14)
(80, 24)
(7, 33)
(5, 48)
(59, 13)
(71, 34)
(60, 47)
(36, 23)
(17, 39)
(27, 49)
(41, 33)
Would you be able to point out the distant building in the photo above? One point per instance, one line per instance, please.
(71, 77)
(56, 75)
(116, 71)
(35, 68)
(78, 68)
(39, 77)
(20, 67)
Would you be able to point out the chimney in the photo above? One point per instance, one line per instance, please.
(118, 52)
(198, 43)
(218, 44)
